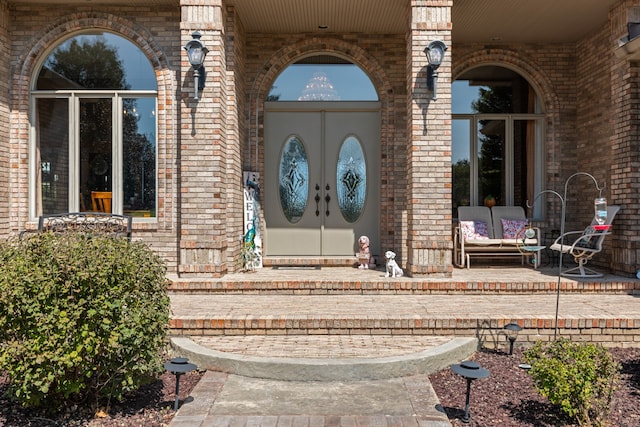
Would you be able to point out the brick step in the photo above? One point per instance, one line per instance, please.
(609, 319)
(258, 284)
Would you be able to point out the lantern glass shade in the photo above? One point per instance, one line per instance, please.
(195, 54)
(435, 53)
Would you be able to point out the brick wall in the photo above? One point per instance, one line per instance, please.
(382, 57)
(4, 118)
(34, 31)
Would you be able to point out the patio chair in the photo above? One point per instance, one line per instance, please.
(584, 245)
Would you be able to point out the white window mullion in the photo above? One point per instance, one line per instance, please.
(116, 161)
(509, 160)
(74, 153)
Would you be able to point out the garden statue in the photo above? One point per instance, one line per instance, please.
(365, 260)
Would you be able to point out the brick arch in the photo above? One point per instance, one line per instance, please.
(27, 65)
(289, 54)
(51, 35)
(282, 58)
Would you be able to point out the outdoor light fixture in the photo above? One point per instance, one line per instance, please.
(512, 329)
(179, 366)
(470, 371)
(435, 54)
(196, 53)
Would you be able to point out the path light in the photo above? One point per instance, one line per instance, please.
(470, 371)
(179, 366)
(512, 329)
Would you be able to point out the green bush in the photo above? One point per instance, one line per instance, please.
(83, 317)
(580, 377)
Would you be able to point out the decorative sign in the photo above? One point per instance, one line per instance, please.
(252, 239)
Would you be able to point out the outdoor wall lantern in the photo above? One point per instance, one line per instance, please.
(178, 366)
(196, 51)
(470, 371)
(512, 329)
(435, 54)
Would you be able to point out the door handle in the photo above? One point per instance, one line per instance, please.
(317, 199)
(327, 199)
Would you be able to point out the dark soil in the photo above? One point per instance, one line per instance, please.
(508, 398)
(151, 406)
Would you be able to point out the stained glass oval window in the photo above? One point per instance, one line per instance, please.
(351, 179)
(293, 179)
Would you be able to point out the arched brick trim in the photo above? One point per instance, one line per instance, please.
(23, 75)
(538, 79)
(388, 103)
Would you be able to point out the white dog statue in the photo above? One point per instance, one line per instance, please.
(393, 270)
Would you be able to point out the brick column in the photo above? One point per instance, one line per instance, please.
(204, 180)
(429, 146)
(5, 78)
(624, 184)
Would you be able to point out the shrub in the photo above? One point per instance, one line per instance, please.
(83, 317)
(579, 377)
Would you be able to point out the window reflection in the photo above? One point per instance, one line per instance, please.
(496, 138)
(323, 78)
(139, 160)
(96, 61)
(89, 157)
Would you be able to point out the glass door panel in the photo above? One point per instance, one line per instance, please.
(52, 156)
(492, 172)
(96, 143)
(139, 156)
(461, 164)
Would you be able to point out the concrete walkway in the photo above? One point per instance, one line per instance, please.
(225, 400)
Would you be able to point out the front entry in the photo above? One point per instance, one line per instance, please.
(322, 177)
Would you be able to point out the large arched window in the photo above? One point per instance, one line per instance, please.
(497, 138)
(94, 128)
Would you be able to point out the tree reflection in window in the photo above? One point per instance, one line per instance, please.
(113, 64)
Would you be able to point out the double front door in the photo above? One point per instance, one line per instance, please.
(322, 185)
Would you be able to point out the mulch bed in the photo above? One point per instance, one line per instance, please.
(150, 406)
(508, 398)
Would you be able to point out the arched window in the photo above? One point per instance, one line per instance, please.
(94, 128)
(497, 138)
(322, 78)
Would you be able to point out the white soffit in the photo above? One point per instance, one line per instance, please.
(474, 21)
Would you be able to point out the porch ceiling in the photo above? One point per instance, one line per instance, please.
(474, 21)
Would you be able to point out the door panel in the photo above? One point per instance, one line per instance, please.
(323, 229)
(282, 237)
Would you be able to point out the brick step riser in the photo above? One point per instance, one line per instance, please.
(372, 288)
(607, 331)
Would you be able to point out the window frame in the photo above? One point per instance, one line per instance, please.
(73, 97)
(539, 158)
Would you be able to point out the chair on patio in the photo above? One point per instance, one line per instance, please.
(584, 245)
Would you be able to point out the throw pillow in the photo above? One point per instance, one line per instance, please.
(474, 230)
(513, 228)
